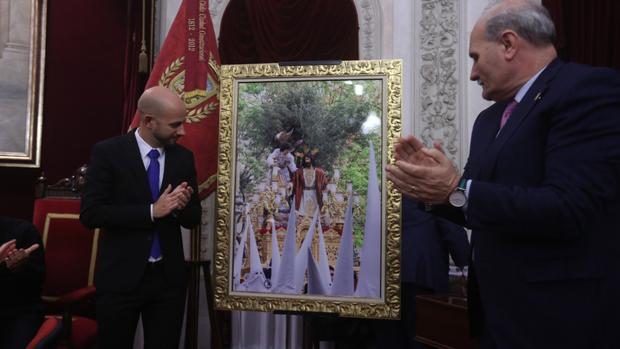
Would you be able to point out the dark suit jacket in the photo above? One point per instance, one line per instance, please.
(21, 289)
(544, 209)
(117, 198)
(21, 308)
(427, 242)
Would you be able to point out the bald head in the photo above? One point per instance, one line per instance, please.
(158, 101)
(162, 115)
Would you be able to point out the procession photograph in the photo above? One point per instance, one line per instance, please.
(307, 195)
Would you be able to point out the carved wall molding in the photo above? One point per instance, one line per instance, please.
(370, 20)
(438, 97)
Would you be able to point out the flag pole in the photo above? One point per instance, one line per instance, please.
(193, 291)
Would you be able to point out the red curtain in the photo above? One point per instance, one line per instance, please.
(83, 94)
(288, 30)
(588, 31)
(134, 81)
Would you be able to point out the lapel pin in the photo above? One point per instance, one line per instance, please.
(538, 96)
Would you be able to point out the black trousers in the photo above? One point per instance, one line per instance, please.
(18, 327)
(160, 304)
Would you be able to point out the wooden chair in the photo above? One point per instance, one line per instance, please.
(70, 256)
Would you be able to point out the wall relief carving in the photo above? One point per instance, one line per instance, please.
(437, 101)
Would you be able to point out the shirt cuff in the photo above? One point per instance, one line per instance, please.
(152, 218)
(467, 188)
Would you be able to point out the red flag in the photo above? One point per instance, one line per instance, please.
(188, 64)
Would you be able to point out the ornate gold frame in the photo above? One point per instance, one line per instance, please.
(388, 306)
(30, 155)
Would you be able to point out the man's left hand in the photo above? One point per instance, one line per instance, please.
(426, 181)
(182, 193)
(18, 257)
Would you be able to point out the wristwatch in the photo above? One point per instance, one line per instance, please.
(458, 198)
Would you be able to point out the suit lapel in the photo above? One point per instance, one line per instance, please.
(136, 165)
(521, 112)
(169, 165)
(483, 137)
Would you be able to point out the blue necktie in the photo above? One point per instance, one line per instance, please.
(153, 173)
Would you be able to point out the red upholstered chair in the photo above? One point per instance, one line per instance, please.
(70, 256)
(47, 335)
(50, 332)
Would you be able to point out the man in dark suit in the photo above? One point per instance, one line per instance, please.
(140, 188)
(427, 243)
(540, 191)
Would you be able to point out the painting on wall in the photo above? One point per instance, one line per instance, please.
(22, 58)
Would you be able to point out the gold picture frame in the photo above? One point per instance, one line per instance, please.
(331, 122)
(22, 61)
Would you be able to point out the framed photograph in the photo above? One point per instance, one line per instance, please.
(22, 58)
(306, 221)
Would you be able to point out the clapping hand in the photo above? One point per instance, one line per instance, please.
(5, 248)
(171, 200)
(183, 192)
(18, 256)
(410, 149)
(425, 174)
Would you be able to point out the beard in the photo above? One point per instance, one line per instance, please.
(164, 141)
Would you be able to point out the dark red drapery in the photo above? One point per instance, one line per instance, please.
(83, 94)
(134, 81)
(588, 31)
(288, 30)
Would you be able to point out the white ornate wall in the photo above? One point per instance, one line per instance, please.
(437, 89)
(370, 21)
(431, 36)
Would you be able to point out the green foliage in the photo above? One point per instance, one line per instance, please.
(326, 115)
(354, 170)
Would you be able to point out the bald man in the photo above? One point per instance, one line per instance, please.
(141, 188)
(540, 190)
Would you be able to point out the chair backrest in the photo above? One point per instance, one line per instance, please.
(70, 248)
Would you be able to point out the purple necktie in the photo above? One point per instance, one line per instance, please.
(153, 173)
(509, 108)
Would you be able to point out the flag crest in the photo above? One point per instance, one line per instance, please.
(188, 64)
